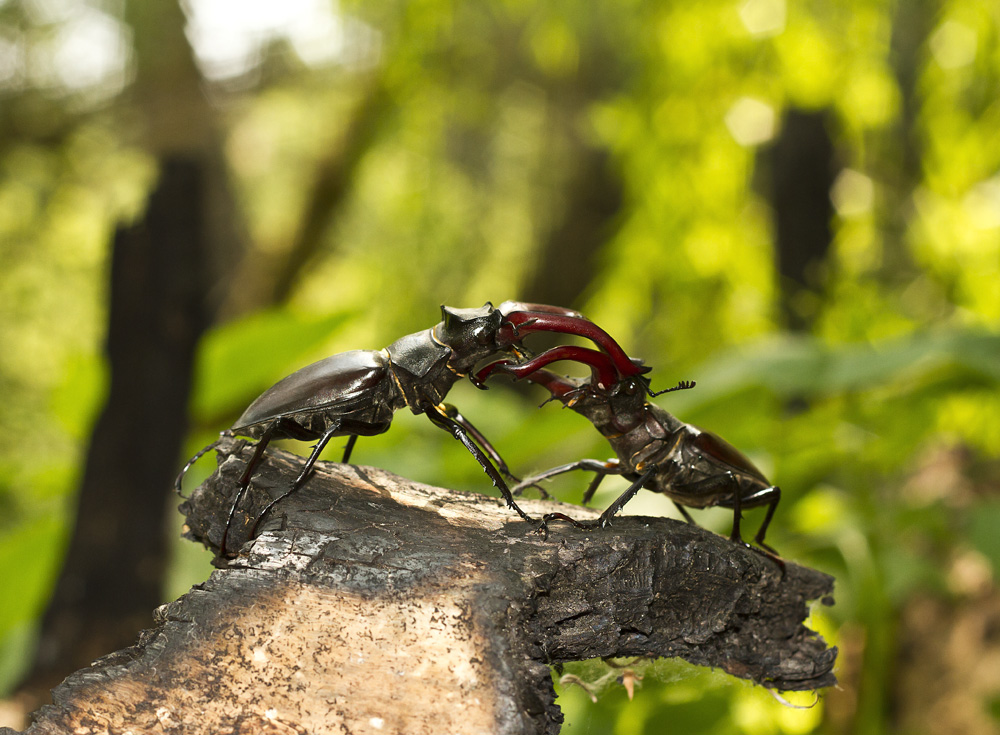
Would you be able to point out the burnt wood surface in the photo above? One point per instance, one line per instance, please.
(370, 603)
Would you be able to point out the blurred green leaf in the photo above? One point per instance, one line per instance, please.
(984, 530)
(239, 360)
(704, 714)
(803, 366)
(29, 557)
(16, 648)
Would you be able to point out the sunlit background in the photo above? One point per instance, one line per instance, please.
(795, 204)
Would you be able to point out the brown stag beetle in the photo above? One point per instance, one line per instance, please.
(356, 393)
(655, 450)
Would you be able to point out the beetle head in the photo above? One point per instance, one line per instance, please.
(627, 402)
(470, 333)
(614, 410)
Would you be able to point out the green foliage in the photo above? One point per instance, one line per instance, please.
(232, 369)
(30, 557)
(983, 522)
(689, 698)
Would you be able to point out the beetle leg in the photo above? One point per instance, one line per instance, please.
(724, 484)
(607, 515)
(484, 443)
(349, 447)
(439, 416)
(764, 496)
(536, 480)
(684, 512)
(735, 536)
(518, 490)
(586, 525)
(605, 519)
(303, 475)
(454, 414)
(770, 495)
(609, 467)
(258, 451)
(190, 463)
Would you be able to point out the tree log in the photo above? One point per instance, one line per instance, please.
(369, 603)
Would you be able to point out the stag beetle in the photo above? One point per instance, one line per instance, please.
(655, 450)
(356, 393)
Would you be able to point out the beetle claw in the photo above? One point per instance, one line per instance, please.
(542, 527)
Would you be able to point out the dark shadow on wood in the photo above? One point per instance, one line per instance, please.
(370, 602)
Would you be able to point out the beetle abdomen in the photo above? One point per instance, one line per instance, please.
(344, 379)
(718, 449)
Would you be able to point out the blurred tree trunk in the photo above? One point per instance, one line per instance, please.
(591, 193)
(899, 150)
(158, 309)
(803, 170)
(331, 187)
(567, 259)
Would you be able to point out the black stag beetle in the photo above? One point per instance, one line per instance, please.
(655, 450)
(356, 393)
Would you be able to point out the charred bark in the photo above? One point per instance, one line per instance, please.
(369, 602)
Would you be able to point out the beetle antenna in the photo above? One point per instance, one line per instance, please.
(682, 385)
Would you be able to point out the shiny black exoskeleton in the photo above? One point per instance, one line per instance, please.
(655, 450)
(356, 393)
